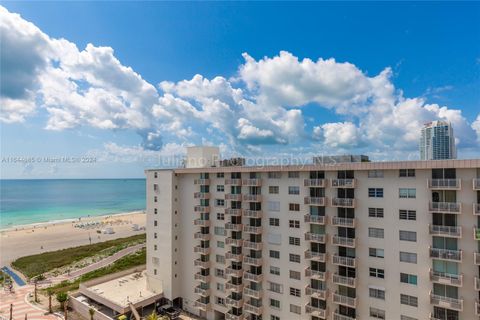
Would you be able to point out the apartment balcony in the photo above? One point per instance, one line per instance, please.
(230, 302)
(477, 283)
(233, 226)
(250, 292)
(234, 257)
(445, 231)
(445, 207)
(476, 258)
(446, 302)
(316, 293)
(319, 183)
(252, 182)
(316, 311)
(317, 275)
(253, 261)
(476, 184)
(445, 184)
(308, 218)
(316, 201)
(252, 213)
(252, 197)
(233, 212)
(343, 183)
(234, 197)
(476, 233)
(476, 209)
(201, 222)
(201, 305)
(317, 256)
(201, 291)
(202, 182)
(233, 182)
(343, 202)
(252, 229)
(201, 264)
(200, 277)
(344, 300)
(252, 277)
(445, 254)
(201, 236)
(234, 287)
(343, 222)
(202, 209)
(250, 308)
(201, 195)
(446, 278)
(343, 241)
(202, 250)
(315, 237)
(344, 281)
(233, 242)
(477, 308)
(252, 245)
(338, 316)
(231, 316)
(344, 261)
(234, 272)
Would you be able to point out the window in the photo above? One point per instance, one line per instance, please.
(294, 224)
(294, 190)
(407, 173)
(274, 222)
(274, 175)
(408, 215)
(220, 244)
(274, 254)
(294, 207)
(294, 241)
(375, 192)
(375, 212)
(275, 287)
(375, 173)
(377, 273)
(295, 309)
(155, 272)
(273, 189)
(376, 252)
(274, 304)
(155, 174)
(155, 211)
(409, 300)
(375, 233)
(272, 317)
(220, 301)
(402, 317)
(220, 188)
(408, 236)
(154, 235)
(275, 270)
(219, 202)
(219, 273)
(155, 247)
(155, 199)
(273, 205)
(220, 216)
(155, 223)
(408, 257)
(220, 175)
(295, 292)
(219, 231)
(220, 287)
(410, 193)
(408, 278)
(220, 259)
(377, 313)
(294, 258)
(293, 174)
(376, 293)
(295, 275)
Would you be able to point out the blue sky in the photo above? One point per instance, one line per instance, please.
(396, 65)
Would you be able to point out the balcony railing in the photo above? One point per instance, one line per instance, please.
(233, 242)
(445, 231)
(252, 197)
(446, 254)
(202, 305)
(446, 278)
(234, 197)
(252, 245)
(317, 275)
(252, 182)
(315, 237)
(317, 256)
(476, 283)
(233, 212)
(252, 277)
(476, 233)
(201, 195)
(201, 236)
(446, 302)
(476, 209)
(344, 261)
(477, 308)
(252, 229)
(202, 250)
(338, 316)
(231, 316)
(200, 277)
(201, 264)
(343, 222)
(445, 207)
(476, 258)
(343, 202)
(233, 272)
(202, 209)
(320, 183)
(342, 183)
(234, 287)
(252, 213)
(308, 218)
(345, 281)
(257, 310)
(201, 291)
(249, 291)
(316, 201)
(233, 182)
(445, 184)
(316, 292)
(230, 302)
(202, 182)
(233, 256)
(233, 226)
(252, 261)
(316, 311)
(476, 184)
(201, 222)
(344, 300)
(343, 241)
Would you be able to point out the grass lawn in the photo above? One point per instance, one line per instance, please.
(132, 260)
(37, 264)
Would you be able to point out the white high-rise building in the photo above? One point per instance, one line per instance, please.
(437, 141)
(329, 240)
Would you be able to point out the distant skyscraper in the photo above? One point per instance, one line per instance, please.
(437, 141)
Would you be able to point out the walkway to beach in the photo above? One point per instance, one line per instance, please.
(20, 305)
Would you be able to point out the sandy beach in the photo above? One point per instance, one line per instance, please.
(41, 237)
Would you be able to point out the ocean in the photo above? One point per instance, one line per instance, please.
(33, 201)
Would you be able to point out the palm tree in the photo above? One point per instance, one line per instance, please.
(50, 294)
(91, 311)
(62, 297)
(152, 316)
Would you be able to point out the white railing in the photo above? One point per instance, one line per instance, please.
(200, 277)
(252, 182)
(252, 229)
(252, 309)
(202, 236)
(344, 281)
(202, 181)
(198, 249)
(476, 209)
(313, 255)
(317, 201)
(201, 209)
(316, 292)
(252, 213)
(318, 275)
(233, 226)
(446, 278)
(476, 184)
(442, 301)
(233, 212)
(316, 311)
(447, 207)
(201, 222)
(201, 305)
(449, 231)
(343, 222)
(201, 291)
(233, 196)
(321, 183)
(338, 316)
(233, 272)
(233, 256)
(233, 303)
(252, 197)
(201, 264)
(477, 283)
(343, 183)
(201, 195)
(343, 202)
(252, 245)
(444, 183)
(343, 241)
(446, 254)
(314, 219)
(252, 277)
(252, 261)
(248, 291)
(476, 258)
(344, 300)
(321, 238)
(233, 182)
(233, 242)
(344, 261)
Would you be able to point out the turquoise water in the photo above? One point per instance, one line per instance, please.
(32, 201)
